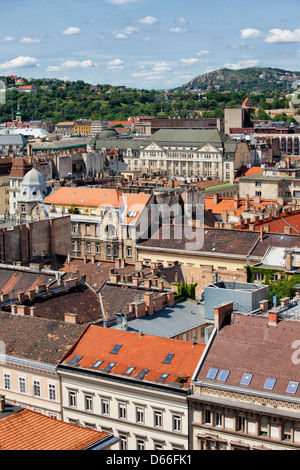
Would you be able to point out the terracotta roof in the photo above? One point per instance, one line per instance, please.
(29, 430)
(248, 345)
(134, 205)
(20, 166)
(37, 339)
(86, 197)
(254, 170)
(139, 351)
(278, 224)
(227, 203)
(21, 281)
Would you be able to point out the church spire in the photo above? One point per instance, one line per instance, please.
(18, 117)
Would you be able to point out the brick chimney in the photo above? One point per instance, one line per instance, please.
(216, 198)
(71, 317)
(289, 261)
(221, 311)
(273, 318)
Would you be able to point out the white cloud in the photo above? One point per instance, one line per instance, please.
(203, 52)
(29, 40)
(190, 61)
(71, 30)
(53, 68)
(177, 30)
(181, 20)
(125, 32)
(249, 33)
(20, 62)
(161, 67)
(116, 64)
(242, 64)
(283, 35)
(149, 20)
(77, 64)
(8, 39)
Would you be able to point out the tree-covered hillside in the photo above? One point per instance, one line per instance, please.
(56, 101)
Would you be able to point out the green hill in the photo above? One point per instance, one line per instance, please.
(249, 79)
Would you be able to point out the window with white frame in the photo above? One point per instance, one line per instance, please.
(140, 444)
(176, 420)
(7, 381)
(22, 385)
(52, 392)
(157, 419)
(105, 407)
(123, 442)
(122, 410)
(139, 415)
(36, 388)
(88, 403)
(72, 399)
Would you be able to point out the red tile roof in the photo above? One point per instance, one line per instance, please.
(29, 430)
(227, 203)
(139, 351)
(85, 197)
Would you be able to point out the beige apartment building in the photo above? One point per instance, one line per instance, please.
(246, 394)
(106, 223)
(30, 349)
(192, 153)
(131, 384)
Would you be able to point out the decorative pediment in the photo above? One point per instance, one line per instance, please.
(208, 148)
(153, 147)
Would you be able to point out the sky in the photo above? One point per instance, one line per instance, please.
(146, 44)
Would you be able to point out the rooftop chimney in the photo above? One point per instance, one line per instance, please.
(221, 311)
(273, 318)
(2, 402)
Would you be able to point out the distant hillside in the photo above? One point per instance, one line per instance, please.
(250, 79)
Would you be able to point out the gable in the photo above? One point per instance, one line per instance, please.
(153, 147)
(209, 148)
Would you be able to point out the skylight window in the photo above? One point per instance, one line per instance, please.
(142, 374)
(246, 379)
(74, 361)
(109, 367)
(163, 377)
(168, 358)
(269, 383)
(116, 349)
(292, 387)
(129, 370)
(212, 373)
(132, 214)
(97, 364)
(223, 375)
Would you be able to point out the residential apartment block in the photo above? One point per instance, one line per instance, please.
(132, 385)
(246, 392)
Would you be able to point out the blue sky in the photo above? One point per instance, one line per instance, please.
(151, 44)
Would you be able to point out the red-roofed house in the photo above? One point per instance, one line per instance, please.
(132, 385)
(106, 222)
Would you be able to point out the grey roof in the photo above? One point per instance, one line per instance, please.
(60, 144)
(12, 139)
(195, 136)
(170, 321)
(98, 143)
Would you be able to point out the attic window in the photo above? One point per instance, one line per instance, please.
(168, 358)
(142, 374)
(129, 370)
(246, 379)
(131, 214)
(116, 349)
(223, 375)
(75, 360)
(269, 383)
(212, 373)
(97, 364)
(109, 367)
(163, 377)
(292, 387)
